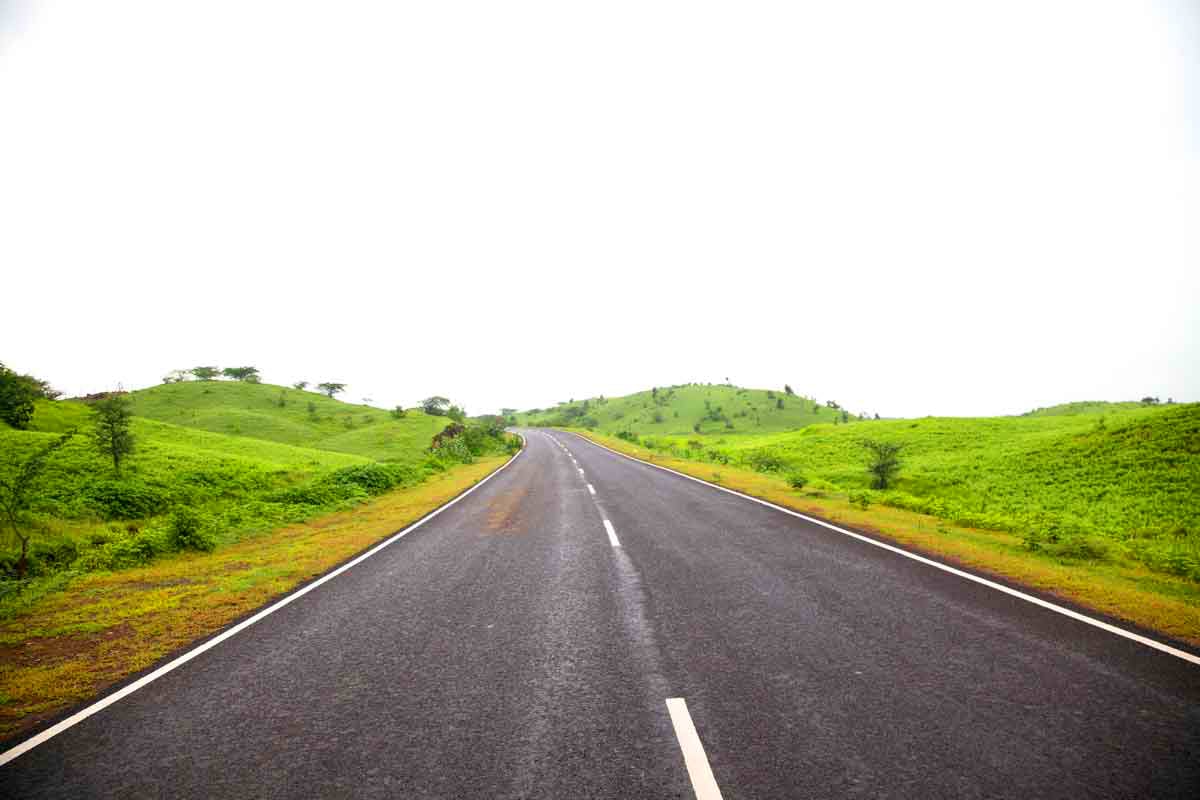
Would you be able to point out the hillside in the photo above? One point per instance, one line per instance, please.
(1128, 475)
(289, 416)
(234, 458)
(678, 410)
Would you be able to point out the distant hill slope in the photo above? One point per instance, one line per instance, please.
(1128, 473)
(677, 410)
(290, 416)
(1082, 407)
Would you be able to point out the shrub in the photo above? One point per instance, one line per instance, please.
(187, 531)
(764, 461)
(860, 499)
(628, 436)
(1082, 548)
(883, 463)
(125, 499)
(797, 481)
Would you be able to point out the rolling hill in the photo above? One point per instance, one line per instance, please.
(688, 409)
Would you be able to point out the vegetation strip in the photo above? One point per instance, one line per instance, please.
(103, 628)
(1128, 591)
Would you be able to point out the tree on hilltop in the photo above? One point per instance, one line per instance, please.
(206, 373)
(787, 389)
(330, 389)
(245, 374)
(300, 386)
(435, 406)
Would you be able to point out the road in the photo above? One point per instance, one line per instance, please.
(517, 646)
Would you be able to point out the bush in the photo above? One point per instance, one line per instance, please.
(764, 461)
(1082, 548)
(797, 481)
(187, 531)
(125, 499)
(860, 499)
(628, 436)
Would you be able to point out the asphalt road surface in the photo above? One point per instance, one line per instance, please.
(517, 646)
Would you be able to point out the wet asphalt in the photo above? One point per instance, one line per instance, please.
(506, 649)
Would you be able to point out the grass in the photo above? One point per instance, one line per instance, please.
(68, 646)
(289, 416)
(1121, 587)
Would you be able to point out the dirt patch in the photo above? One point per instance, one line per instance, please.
(503, 510)
(60, 648)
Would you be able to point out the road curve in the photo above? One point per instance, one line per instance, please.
(524, 643)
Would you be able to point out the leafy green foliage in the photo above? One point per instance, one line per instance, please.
(883, 462)
(187, 531)
(206, 373)
(435, 406)
(329, 389)
(17, 490)
(17, 396)
(112, 434)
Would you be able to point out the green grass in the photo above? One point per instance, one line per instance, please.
(230, 452)
(675, 411)
(1108, 482)
(254, 410)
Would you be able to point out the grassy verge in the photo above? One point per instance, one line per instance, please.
(103, 627)
(1129, 591)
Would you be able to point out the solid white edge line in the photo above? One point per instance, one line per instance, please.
(100, 705)
(612, 534)
(592, 489)
(1113, 629)
(703, 782)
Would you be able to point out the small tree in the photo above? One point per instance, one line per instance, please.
(17, 393)
(435, 406)
(787, 389)
(113, 416)
(883, 464)
(300, 386)
(779, 403)
(206, 373)
(17, 493)
(398, 412)
(455, 413)
(330, 389)
(176, 376)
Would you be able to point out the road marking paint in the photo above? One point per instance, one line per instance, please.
(100, 705)
(1037, 601)
(592, 489)
(703, 782)
(612, 535)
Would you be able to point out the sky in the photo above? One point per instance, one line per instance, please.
(910, 208)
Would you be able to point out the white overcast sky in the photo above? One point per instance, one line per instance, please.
(911, 208)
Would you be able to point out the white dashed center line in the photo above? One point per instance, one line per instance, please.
(612, 535)
(592, 489)
(703, 782)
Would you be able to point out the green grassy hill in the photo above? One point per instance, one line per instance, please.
(678, 410)
(289, 416)
(235, 458)
(1124, 473)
